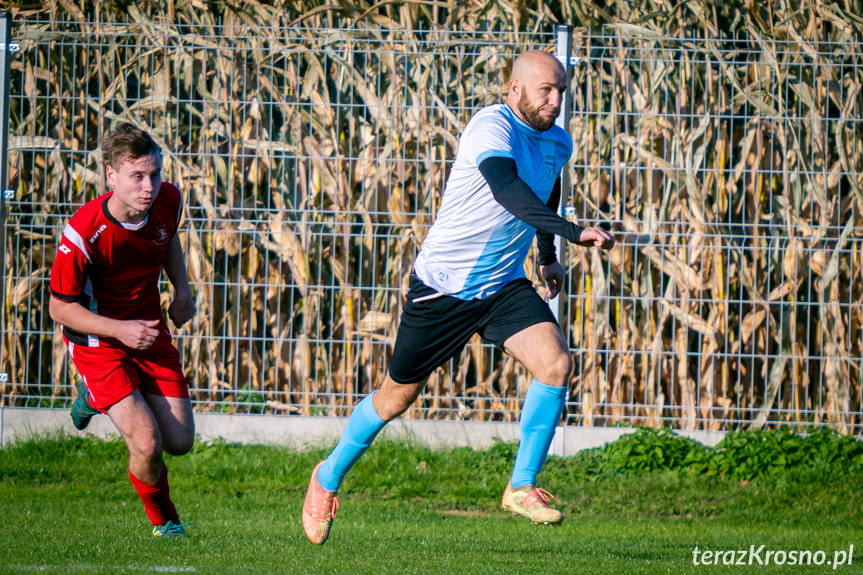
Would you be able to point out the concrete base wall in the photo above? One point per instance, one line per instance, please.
(302, 432)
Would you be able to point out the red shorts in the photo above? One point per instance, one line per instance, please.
(112, 373)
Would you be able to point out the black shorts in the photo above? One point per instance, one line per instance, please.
(434, 328)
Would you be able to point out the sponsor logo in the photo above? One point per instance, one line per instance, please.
(65, 249)
(98, 233)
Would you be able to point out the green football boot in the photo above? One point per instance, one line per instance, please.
(170, 529)
(81, 411)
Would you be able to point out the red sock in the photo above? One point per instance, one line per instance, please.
(157, 500)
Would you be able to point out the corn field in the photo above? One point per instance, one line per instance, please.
(312, 143)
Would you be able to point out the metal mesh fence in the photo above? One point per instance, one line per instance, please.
(312, 162)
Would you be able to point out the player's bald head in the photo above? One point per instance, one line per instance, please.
(530, 66)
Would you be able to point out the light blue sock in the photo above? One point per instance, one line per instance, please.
(363, 426)
(539, 417)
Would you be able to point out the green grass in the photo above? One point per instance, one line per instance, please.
(68, 507)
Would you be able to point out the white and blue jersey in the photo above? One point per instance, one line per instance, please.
(475, 245)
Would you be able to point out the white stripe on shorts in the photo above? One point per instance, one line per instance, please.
(435, 295)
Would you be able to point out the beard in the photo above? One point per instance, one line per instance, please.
(533, 119)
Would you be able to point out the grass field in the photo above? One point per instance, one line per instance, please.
(67, 507)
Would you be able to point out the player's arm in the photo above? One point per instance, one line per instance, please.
(67, 284)
(182, 307)
(549, 268)
(137, 334)
(545, 240)
(513, 193)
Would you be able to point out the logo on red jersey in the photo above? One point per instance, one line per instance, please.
(95, 236)
(163, 236)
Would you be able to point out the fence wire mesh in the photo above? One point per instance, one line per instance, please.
(312, 162)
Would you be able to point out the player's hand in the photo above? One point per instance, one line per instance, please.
(138, 333)
(553, 276)
(181, 309)
(597, 238)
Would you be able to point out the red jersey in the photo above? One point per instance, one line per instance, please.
(113, 269)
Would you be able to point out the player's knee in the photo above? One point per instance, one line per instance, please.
(179, 442)
(558, 370)
(145, 448)
(180, 447)
(390, 406)
(390, 410)
(566, 364)
(393, 399)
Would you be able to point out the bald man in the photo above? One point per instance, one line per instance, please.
(503, 189)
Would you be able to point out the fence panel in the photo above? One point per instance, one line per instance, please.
(312, 162)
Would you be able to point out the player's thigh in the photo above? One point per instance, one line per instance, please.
(137, 425)
(521, 323)
(175, 420)
(542, 350)
(165, 389)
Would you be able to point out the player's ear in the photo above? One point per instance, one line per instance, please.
(109, 174)
(515, 87)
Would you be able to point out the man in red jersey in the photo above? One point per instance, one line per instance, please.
(105, 293)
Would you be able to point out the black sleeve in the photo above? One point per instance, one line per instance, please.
(545, 241)
(512, 193)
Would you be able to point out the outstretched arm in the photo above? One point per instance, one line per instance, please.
(512, 193)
